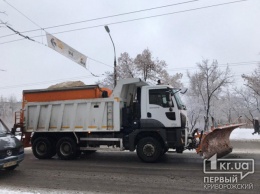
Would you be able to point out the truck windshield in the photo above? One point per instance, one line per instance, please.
(3, 129)
(178, 99)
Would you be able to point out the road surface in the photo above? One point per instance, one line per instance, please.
(123, 172)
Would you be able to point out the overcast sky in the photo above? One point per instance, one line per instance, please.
(228, 33)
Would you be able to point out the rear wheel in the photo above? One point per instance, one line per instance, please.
(42, 148)
(66, 148)
(149, 149)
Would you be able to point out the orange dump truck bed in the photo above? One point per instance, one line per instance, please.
(59, 94)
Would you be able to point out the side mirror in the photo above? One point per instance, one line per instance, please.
(170, 103)
(183, 90)
(169, 100)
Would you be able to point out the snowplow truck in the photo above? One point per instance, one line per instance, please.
(135, 116)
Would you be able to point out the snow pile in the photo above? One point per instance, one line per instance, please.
(67, 84)
(244, 134)
(40, 191)
(11, 191)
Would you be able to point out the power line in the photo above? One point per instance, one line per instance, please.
(136, 19)
(22, 14)
(220, 65)
(46, 82)
(16, 32)
(99, 18)
(26, 37)
(187, 81)
(100, 62)
(90, 76)
(117, 22)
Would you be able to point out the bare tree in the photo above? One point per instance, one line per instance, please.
(250, 96)
(12, 104)
(248, 104)
(224, 108)
(7, 108)
(173, 80)
(208, 83)
(108, 81)
(149, 68)
(126, 67)
(253, 80)
(194, 111)
(144, 67)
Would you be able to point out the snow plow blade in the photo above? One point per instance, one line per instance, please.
(216, 142)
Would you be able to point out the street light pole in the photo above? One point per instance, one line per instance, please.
(115, 73)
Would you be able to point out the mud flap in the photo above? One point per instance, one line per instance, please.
(26, 139)
(216, 142)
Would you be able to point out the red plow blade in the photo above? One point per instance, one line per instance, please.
(216, 142)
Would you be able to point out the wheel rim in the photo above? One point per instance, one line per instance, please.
(41, 148)
(149, 150)
(65, 149)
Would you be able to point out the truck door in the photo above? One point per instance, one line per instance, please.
(159, 109)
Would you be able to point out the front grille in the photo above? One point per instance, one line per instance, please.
(3, 153)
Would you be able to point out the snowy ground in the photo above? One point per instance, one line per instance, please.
(244, 134)
(9, 191)
(239, 134)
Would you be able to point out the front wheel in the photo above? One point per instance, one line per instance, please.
(42, 148)
(149, 149)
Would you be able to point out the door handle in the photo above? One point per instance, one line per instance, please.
(149, 115)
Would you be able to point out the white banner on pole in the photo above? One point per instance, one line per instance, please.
(66, 50)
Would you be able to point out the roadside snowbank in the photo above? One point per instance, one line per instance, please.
(41, 191)
(244, 134)
(12, 191)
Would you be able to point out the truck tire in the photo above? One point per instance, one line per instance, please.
(149, 149)
(42, 148)
(66, 148)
